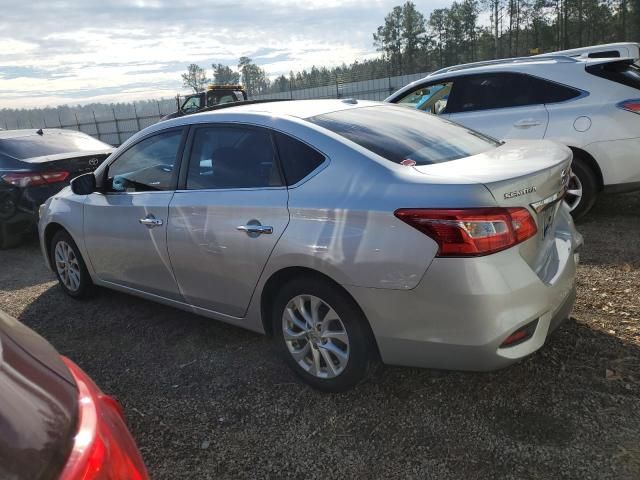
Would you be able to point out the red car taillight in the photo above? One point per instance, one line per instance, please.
(471, 232)
(32, 179)
(103, 448)
(632, 106)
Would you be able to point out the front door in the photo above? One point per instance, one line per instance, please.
(126, 225)
(227, 218)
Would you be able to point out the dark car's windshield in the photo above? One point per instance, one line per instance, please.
(400, 134)
(49, 143)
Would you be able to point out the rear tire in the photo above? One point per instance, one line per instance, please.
(69, 266)
(322, 334)
(587, 184)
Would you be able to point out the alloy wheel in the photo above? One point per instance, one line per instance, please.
(315, 336)
(67, 266)
(573, 194)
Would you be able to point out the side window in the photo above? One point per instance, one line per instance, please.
(495, 90)
(551, 92)
(232, 157)
(430, 98)
(149, 165)
(298, 160)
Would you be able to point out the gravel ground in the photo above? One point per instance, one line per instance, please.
(207, 400)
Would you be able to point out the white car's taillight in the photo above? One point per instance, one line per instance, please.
(632, 106)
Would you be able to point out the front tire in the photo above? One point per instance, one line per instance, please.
(583, 189)
(69, 266)
(322, 334)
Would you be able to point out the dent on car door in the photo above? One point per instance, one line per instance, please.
(227, 216)
(125, 225)
(502, 105)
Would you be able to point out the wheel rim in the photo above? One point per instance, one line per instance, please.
(573, 194)
(315, 336)
(67, 266)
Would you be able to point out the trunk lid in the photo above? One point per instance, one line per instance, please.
(38, 404)
(76, 163)
(519, 173)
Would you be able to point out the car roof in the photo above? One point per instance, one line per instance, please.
(511, 62)
(292, 108)
(624, 48)
(510, 65)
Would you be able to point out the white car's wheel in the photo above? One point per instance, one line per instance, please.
(583, 189)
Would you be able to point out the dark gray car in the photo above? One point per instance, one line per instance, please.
(36, 164)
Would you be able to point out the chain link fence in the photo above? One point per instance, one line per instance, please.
(114, 124)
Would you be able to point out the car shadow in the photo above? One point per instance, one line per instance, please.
(23, 266)
(611, 228)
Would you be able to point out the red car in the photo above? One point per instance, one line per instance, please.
(54, 421)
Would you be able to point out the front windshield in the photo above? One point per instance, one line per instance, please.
(404, 135)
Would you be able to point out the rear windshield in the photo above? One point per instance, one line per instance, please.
(401, 134)
(626, 73)
(50, 143)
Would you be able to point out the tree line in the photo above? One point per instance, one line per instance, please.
(410, 41)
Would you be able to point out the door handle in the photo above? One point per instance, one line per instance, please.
(255, 229)
(151, 222)
(526, 123)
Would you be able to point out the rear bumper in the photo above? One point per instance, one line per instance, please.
(19, 207)
(464, 308)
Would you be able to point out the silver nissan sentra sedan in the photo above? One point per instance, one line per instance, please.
(354, 232)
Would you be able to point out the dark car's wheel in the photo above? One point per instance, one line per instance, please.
(583, 188)
(322, 334)
(69, 267)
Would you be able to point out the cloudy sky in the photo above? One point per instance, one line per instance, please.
(67, 52)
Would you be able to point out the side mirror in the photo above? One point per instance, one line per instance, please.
(84, 184)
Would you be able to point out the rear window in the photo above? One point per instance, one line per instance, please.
(625, 73)
(31, 146)
(399, 134)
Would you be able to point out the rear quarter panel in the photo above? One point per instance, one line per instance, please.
(342, 219)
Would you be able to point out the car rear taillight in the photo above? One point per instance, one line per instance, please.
(32, 179)
(471, 232)
(102, 449)
(632, 106)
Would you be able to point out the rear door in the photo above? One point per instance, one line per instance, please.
(501, 104)
(227, 216)
(125, 227)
